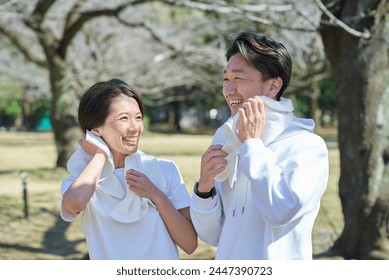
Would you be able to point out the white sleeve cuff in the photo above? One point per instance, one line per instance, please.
(205, 204)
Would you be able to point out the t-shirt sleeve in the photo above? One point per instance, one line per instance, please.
(65, 215)
(176, 188)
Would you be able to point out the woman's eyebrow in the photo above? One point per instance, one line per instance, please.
(121, 113)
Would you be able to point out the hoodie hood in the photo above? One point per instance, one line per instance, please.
(279, 114)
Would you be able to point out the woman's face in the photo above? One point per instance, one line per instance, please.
(123, 127)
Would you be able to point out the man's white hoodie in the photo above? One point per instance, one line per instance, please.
(269, 195)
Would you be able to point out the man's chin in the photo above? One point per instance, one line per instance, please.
(233, 113)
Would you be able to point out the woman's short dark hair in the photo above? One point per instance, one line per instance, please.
(269, 57)
(95, 101)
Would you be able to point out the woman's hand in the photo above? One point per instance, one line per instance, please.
(140, 184)
(90, 148)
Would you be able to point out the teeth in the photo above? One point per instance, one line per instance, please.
(130, 138)
(234, 102)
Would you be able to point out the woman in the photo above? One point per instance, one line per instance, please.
(132, 205)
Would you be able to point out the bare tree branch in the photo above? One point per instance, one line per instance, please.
(41, 8)
(366, 34)
(187, 53)
(16, 40)
(77, 19)
(249, 12)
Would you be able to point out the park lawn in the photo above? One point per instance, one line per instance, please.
(43, 235)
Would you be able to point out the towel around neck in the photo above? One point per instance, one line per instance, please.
(132, 207)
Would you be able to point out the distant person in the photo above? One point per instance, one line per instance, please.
(262, 178)
(131, 204)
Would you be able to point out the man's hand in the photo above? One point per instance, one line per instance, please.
(252, 118)
(213, 162)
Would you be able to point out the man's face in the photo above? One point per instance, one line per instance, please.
(242, 81)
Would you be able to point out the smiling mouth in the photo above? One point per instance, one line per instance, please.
(235, 102)
(132, 139)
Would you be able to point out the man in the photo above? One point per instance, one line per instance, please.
(263, 176)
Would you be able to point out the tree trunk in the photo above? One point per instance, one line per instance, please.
(177, 115)
(360, 68)
(63, 113)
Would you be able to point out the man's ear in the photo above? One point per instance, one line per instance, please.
(96, 132)
(276, 84)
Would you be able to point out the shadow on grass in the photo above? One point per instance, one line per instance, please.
(54, 241)
(331, 254)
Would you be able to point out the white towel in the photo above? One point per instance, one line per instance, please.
(99, 142)
(132, 208)
(80, 159)
(226, 136)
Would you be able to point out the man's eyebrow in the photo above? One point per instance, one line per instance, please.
(235, 71)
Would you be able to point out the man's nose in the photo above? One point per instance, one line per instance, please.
(229, 88)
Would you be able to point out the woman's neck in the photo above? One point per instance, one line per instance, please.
(118, 159)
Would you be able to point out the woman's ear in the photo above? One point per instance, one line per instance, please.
(275, 87)
(96, 132)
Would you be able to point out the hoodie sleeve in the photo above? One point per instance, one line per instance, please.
(288, 184)
(207, 218)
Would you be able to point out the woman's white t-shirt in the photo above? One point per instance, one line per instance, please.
(147, 238)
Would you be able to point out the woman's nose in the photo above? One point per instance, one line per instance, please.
(132, 124)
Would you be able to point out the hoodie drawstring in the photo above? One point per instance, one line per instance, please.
(245, 194)
(245, 186)
(234, 179)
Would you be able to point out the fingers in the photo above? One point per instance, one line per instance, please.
(213, 162)
(253, 108)
(213, 154)
(135, 178)
(90, 148)
(140, 184)
(261, 105)
(252, 119)
(213, 159)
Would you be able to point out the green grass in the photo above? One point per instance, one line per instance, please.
(45, 236)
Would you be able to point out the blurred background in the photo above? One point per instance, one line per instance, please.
(172, 53)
